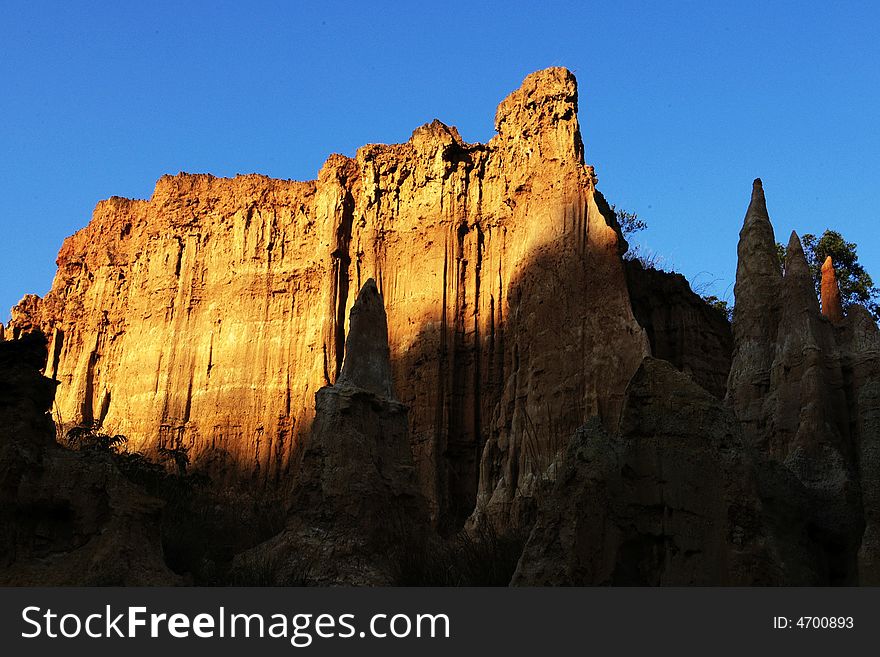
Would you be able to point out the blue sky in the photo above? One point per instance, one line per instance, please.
(682, 104)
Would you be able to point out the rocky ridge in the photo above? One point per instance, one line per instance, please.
(209, 315)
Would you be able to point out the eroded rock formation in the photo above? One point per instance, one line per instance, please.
(209, 315)
(408, 342)
(831, 306)
(681, 327)
(66, 518)
(356, 497)
(869, 472)
(756, 313)
(795, 384)
(671, 499)
(779, 487)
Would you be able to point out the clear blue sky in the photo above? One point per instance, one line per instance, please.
(682, 105)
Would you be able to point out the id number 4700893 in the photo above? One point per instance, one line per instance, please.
(813, 623)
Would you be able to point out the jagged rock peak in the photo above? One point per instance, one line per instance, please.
(757, 229)
(798, 282)
(438, 131)
(367, 361)
(26, 315)
(831, 305)
(758, 274)
(543, 111)
(795, 260)
(758, 205)
(756, 313)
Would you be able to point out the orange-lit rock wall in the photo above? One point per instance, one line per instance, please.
(209, 315)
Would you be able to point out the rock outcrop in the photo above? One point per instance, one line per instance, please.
(777, 486)
(755, 315)
(671, 499)
(356, 498)
(407, 344)
(66, 518)
(795, 384)
(831, 306)
(869, 473)
(682, 328)
(209, 315)
(858, 338)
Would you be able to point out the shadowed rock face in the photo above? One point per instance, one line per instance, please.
(66, 518)
(869, 471)
(367, 362)
(682, 328)
(858, 339)
(209, 315)
(808, 423)
(756, 313)
(831, 306)
(671, 499)
(778, 487)
(356, 499)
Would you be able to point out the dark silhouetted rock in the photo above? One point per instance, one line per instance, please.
(755, 315)
(858, 339)
(682, 328)
(869, 472)
(66, 518)
(356, 498)
(807, 422)
(793, 388)
(367, 358)
(671, 500)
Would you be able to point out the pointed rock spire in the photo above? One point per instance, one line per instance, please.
(831, 306)
(758, 275)
(367, 362)
(758, 205)
(798, 290)
(756, 313)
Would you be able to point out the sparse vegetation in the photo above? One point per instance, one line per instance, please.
(203, 526)
(629, 222)
(90, 438)
(720, 305)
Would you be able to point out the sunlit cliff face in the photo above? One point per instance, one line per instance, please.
(210, 315)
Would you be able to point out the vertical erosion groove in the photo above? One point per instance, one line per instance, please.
(87, 409)
(478, 383)
(341, 261)
(57, 346)
(439, 448)
(458, 427)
